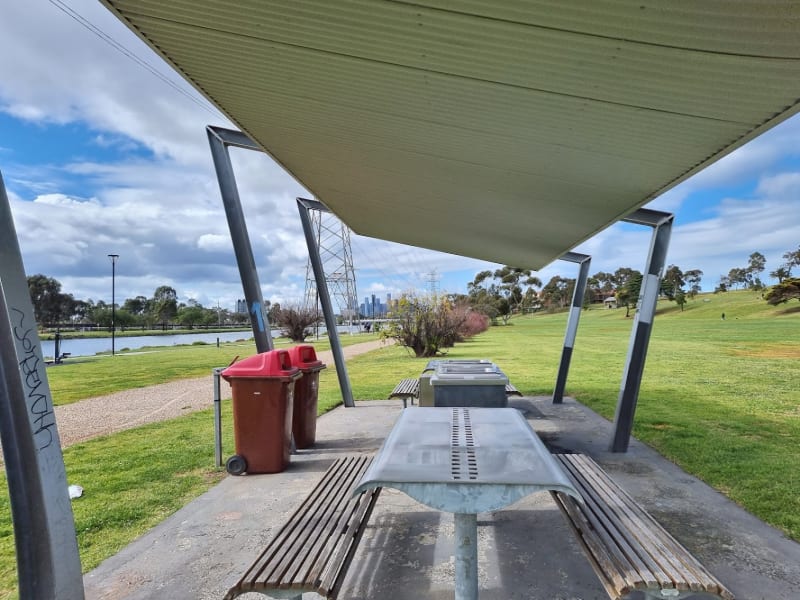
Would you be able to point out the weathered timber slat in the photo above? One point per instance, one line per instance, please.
(314, 548)
(627, 548)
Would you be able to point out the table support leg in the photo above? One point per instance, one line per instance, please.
(466, 556)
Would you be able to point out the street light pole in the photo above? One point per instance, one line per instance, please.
(113, 258)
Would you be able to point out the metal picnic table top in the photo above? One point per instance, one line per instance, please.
(465, 461)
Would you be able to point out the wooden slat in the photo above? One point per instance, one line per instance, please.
(331, 582)
(306, 523)
(406, 387)
(644, 529)
(321, 536)
(282, 540)
(604, 503)
(628, 549)
(512, 391)
(313, 549)
(327, 544)
(687, 570)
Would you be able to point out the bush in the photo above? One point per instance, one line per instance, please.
(427, 325)
(475, 322)
(296, 321)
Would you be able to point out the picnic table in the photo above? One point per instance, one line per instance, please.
(465, 461)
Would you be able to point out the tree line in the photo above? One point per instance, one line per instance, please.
(509, 290)
(497, 294)
(53, 307)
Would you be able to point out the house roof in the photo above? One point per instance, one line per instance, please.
(509, 131)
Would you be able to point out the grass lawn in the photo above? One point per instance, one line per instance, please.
(719, 397)
(83, 377)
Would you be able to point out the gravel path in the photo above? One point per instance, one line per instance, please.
(102, 415)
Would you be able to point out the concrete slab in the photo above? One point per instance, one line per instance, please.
(525, 551)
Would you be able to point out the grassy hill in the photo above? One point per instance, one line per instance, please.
(719, 397)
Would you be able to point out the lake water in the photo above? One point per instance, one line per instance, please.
(91, 346)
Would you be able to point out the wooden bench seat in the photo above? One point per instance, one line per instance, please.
(409, 389)
(314, 548)
(628, 549)
(406, 389)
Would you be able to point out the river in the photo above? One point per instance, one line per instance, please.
(91, 346)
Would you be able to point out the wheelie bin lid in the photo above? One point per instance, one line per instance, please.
(273, 364)
(305, 358)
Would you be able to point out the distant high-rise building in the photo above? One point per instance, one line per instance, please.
(241, 306)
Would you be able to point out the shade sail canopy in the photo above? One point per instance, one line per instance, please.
(507, 130)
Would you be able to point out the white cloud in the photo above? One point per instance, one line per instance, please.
(163, 214)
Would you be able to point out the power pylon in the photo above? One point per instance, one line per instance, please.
(333, 242)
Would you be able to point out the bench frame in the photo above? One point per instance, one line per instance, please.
(313, 550)
(627, 548)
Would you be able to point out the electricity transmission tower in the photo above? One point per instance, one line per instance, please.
(433, 283)
(333, 242)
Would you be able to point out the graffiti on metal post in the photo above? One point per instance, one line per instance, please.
(39, 403)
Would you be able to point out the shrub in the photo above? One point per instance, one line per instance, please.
(296, 321)
(426, 325)
(475, 322)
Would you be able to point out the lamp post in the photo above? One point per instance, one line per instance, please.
(113, 258)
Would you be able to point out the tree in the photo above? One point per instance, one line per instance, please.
(672, 282)
(680, 298)
(164, 304)
(629, 285)
(189, 316)
(135, 306)
(787, 290)
(512, 280)
(484, 295)
(781, 273)
(693, 277)
(556, 293)
(50, 305)
(792, 259)
(738, 276)
(755, 266)
(296, 321)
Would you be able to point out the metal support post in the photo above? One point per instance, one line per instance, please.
(217, 415)
(584, 260)
(466, 559)
(303, 206)
(48, 564)
(661, 223)
(219, 139)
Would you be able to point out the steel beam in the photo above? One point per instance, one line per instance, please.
(48, 564)
(584, 260)
(304, 205)
(661, 222)
(220, 139)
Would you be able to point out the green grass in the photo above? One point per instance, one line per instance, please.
(718, 397)
(83, 377)
(132, 481)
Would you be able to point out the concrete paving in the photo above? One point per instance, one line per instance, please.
(525, 551)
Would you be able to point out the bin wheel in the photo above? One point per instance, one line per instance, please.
(236, 465)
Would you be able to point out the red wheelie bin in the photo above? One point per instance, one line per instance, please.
(306, 395)
(263, 399)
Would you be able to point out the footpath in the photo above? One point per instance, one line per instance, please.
(102, 415)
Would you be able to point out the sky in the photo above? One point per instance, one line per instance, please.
(103, 151)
